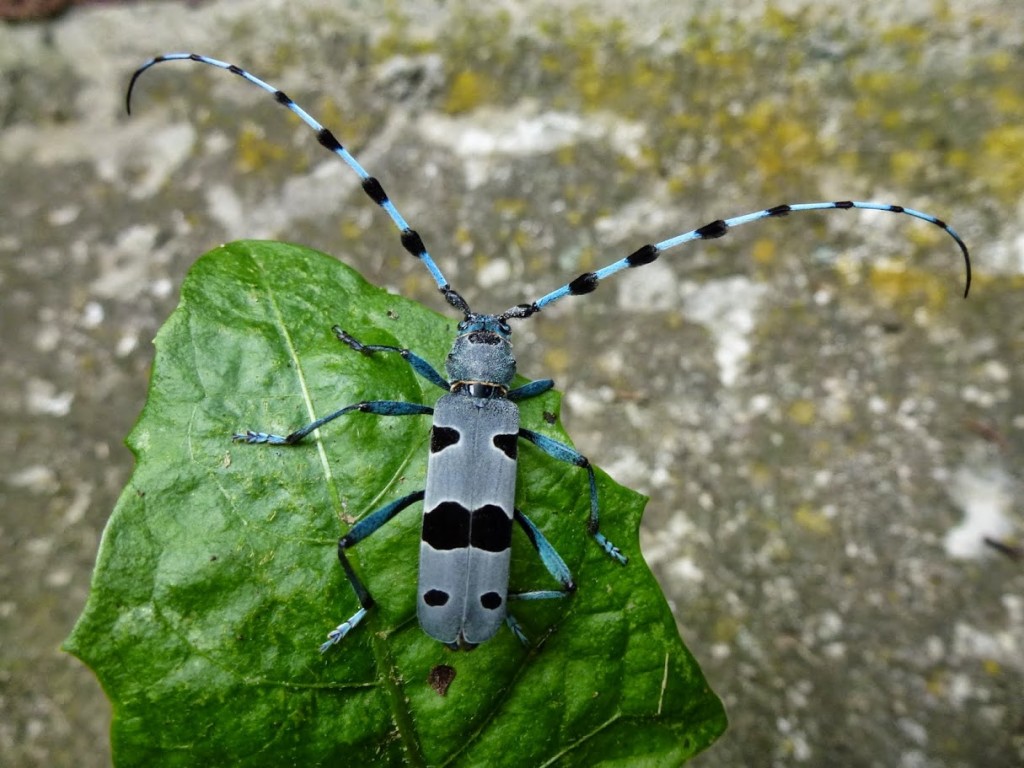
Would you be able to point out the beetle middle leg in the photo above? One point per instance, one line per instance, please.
(379, 407)
(563, 452)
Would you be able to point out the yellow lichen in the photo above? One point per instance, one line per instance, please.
(510, 207)
(898, 284)
(764, 251)
(556, 360)
(802, 412)
(906, 165)
(350, 229)
(1000, 162)
(462, 237)
(812, 520)
(468, 90)
(254, 151)
(725, 629)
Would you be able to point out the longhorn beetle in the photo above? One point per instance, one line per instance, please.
(468, 500)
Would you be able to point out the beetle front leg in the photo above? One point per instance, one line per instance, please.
(421, 366)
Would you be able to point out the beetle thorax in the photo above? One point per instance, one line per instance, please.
(481, 355)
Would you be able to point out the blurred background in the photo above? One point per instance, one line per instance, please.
(830, 435)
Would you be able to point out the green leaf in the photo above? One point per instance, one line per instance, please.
(217, 577)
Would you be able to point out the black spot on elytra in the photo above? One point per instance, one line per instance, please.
(446, 526)
(507, 444)
(435, 598)
(491, 529)
(491, 600)
(450, 526)
(443, 437)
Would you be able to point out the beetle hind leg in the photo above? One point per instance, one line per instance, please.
(335, 635)
(554, 564)
(361, 530)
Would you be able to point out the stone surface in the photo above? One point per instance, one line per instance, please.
(826, 430)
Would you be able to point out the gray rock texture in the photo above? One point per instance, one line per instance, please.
(827, 431)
